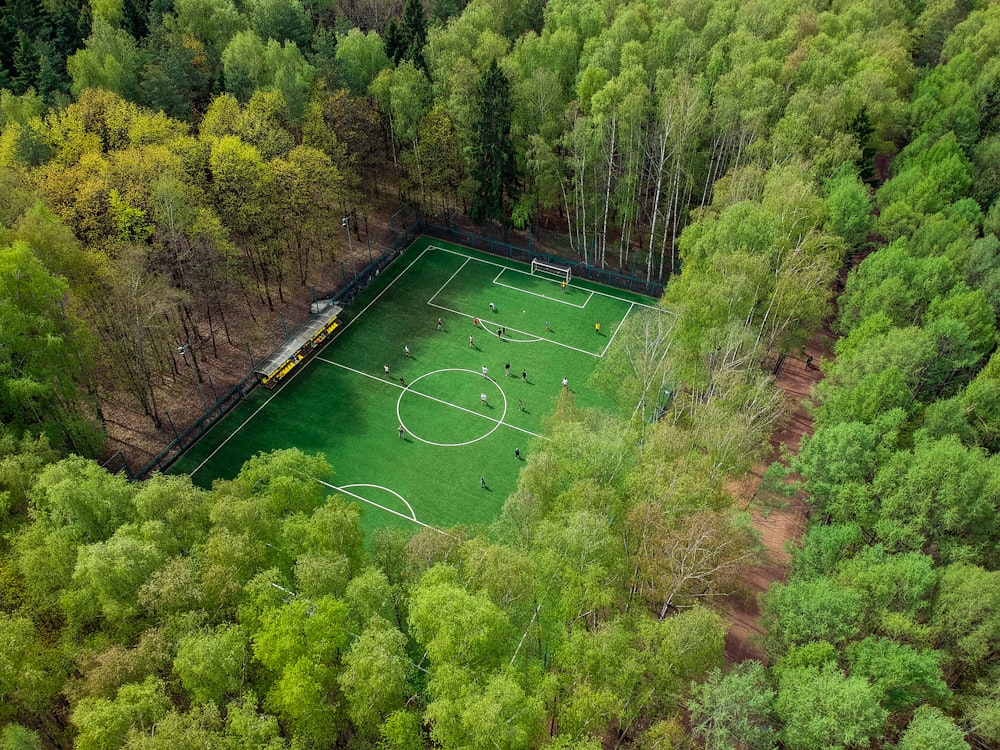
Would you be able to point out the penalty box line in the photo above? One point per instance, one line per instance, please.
(299, 370)
(434, 398)
(532, 338)
(517, 270)
(496, 282)
(618, 328)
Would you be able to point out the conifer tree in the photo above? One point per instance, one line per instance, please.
(394, 42)
(494, 167)
(413, 34)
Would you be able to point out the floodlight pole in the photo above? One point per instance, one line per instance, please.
(346, 223)
(183, 350)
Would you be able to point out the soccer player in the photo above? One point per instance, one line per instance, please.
(493, 308)
(565, 383)
(486, 371)
(520, 405)
(597, 327)
(402, 432)
(482, 397)
(406, 350)
(517, 454)
(386, 368)
(471, 343)
(506, 369)
(440, 324)
(524, 376)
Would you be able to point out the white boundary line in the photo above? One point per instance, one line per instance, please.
(518, 270)
(296, 371)
(487, 417)
(402, 499)
(617, 328)
(532, 338)
(496, 282)
(415, 436)
(346, 491)
(449, 278)
(363, 310)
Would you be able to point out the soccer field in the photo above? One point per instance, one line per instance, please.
(341, 403)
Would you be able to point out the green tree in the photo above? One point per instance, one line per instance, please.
(109, 575)
(821, 707)
(803, 611)
(940, 499)
(103, 724)
(413, 33)
(280, 20)
(849, 204)
(43, 389)
(244, 64)
(78, 494)
(900, 675)
(455, 627)
(965, 618)
(30, 672)
(734, 710)
(930, 729)
(493, 164)
(304, 697)
(500, 715)
(111, 60)
(18, 737)
(212, 665)
(376, 676)
(361, 58)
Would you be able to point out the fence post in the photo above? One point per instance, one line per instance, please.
(212, 386)
(171, 423)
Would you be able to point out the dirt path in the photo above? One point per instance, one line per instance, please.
(776, 525)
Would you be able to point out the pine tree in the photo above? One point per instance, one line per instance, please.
(25, 63)
(494, 167)
(413, 33)
(393, 42)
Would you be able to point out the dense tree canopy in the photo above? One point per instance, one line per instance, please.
(165, 163)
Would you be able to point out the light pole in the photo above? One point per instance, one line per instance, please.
(346, 223)
(183, 351)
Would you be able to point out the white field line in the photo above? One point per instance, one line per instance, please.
(297, 370)
(532, 338)
(382, 507)
(434, 398)
(617, 328)
(527, 273)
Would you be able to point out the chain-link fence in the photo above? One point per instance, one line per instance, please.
(402, 228)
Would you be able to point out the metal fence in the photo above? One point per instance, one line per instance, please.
(404, 226)
(500, 247)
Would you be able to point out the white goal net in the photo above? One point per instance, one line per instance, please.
(540, 266)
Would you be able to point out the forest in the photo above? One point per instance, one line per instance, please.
(168, 167)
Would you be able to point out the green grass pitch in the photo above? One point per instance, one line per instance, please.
(341, 403)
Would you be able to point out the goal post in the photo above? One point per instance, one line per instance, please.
(540, 266)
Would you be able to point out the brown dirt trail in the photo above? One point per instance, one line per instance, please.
(777, 525)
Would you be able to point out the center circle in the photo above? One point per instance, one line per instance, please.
(447, 400)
